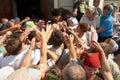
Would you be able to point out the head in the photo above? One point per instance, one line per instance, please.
(56, 38)
(91, 64)
(115, 6)
(4, 20)
(82, 28)
(90, 11)
(56, 15)
(74, 14)
(96, 3)
(108, 10)
(54, 73)
(73, 71)
(16, 34)
(66, 14)
(13, 46)
(112, 44)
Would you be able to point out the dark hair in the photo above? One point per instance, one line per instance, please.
(16, 34)
(56, 12)
(31, 35)
(66, 14)
(107, 7)
(13, 45)
(56, 38)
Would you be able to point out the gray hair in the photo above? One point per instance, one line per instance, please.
(73, 71)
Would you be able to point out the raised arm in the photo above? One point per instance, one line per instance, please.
(52, 55)
(12, 29)
(78, 39)
(24, 20)
(71, 47)
(44, 49)
(26, 62)
(106, 71)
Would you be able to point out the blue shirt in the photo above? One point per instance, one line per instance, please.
(107, 24)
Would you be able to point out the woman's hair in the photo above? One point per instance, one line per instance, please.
(107, 7)
(83, 25)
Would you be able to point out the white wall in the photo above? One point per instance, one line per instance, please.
(112, 1)
(100, 5)
(67, 4)
(55, 3)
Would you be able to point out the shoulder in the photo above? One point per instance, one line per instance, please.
(83, 18)
(109, 20)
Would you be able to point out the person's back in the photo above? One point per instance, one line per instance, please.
(16, 51)
(56, 41)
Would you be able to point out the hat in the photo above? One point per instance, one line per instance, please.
(92, 60)
(31, 25)
(113, 45)
(20, 74)
(5, 72)
(115, 5)
(25, 74)
(51, 76)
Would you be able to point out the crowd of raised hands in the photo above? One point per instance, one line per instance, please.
(37, 46)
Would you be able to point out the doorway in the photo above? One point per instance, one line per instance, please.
(28, 8)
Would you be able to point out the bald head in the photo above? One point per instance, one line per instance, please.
(73, 71)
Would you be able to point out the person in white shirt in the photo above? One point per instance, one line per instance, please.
(16, 52)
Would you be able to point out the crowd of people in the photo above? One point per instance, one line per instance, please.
(79, 45)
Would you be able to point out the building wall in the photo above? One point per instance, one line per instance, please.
(100, 5)
(68, 4)
(5, 11)
(112, 1)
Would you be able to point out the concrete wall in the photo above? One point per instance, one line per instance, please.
(100, 5)
(68, 4)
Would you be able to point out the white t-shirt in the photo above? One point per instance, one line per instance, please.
(15, 60)
(57, 51)
(95, 22)
(114, 69)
